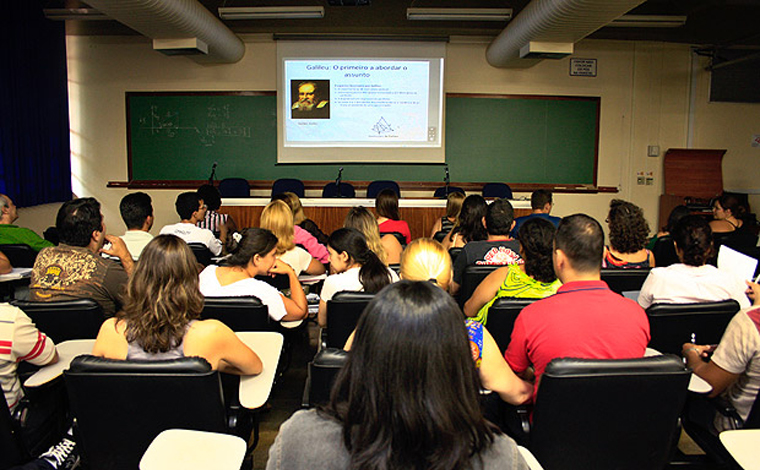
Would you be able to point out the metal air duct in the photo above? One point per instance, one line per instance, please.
(166, 20)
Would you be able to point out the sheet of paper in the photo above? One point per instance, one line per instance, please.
(737, 263)
(16, 273)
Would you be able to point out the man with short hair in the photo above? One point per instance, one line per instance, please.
(541, 203)
(499, 249)
(12, 234)
(137, 212)
(192, 210)
(74, 269)
(584, 319)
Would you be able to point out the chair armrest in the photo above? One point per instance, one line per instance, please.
(726, 409)
(306, 391)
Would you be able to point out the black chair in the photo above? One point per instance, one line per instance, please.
(321, 375)
(620, 414)
(288, 185)
(497, 190)
(343, 312)
(375, 187)
(19, 254)
(454, 253)
(664, 252)
(201, 252)
(238, 313)
(331, 190)
(121, 406)
(443, 192)
(66, 319)
(399, 236)
(472, 276)
(440, 235)
(672, 325)
(12, 448)
(235, 188)
(501, 319)
(625, 280)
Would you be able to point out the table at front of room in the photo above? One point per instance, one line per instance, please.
(328, 213)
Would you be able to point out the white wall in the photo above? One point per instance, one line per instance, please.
(644, 89)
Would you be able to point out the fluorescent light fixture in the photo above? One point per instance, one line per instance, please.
(648, 21)
(62, 14)
(459, 14)
(271, 13)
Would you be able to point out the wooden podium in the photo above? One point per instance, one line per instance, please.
(690, 175)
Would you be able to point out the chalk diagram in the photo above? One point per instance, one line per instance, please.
(167, 124)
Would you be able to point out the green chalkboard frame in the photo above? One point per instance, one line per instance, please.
(524, 140)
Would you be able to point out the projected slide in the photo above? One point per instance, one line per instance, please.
(360, 103)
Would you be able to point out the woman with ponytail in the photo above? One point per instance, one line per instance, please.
(252, 253)
(353, 267)
(692, 280)
(534, 279)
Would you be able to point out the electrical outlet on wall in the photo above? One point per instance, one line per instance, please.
(650, 178)
(640, 180)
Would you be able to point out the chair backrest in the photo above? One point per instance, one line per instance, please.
(65, 319)
(331, 190)
(201, 252)
(454, 253)
(502, 316)
(234, 187)
(322, 372)
(399, 236)
(440, 235)
(444, 192)
(497, 190)
(625, 280)
(375, 187)
(288, 185)
(620, 414)
(343, 312)
(12, 450)
(672, 325)
(238, 313)
(20, 255)
(121, 406)
(472, 276)
(664, 252)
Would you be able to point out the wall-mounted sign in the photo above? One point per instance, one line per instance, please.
(583, 67)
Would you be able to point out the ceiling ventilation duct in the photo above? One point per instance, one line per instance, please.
(175, 24)
(559, 23)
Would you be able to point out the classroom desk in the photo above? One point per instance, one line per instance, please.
(254, 390)
(328, 213)
(183, 449)
(742, 445)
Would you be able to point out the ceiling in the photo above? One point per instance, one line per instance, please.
(712, 24)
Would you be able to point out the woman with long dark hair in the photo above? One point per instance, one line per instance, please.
(388, 218)
(469, 226)
(534, 279)
(692, 280)
(628, 237)
(407, 397)
(160, 319)
(353, 267)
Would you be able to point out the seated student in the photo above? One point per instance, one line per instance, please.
(691, 280)
(388, 219)
(386, 247)
(498, 249)
(160, 319)
(191, 210)
(137, 213)
(628, 236)
(733, 371)
(541, 203)
(353, 267)
(407, 396)
(535, 279)
(12, 234)
(469, 225)
(305, 227)
(252, 253)
(447, 222)
(278, 219)
(220, 224)
(728, 227)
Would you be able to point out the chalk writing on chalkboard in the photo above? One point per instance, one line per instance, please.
(167, 124)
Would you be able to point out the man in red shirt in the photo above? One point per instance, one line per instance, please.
(584, 319)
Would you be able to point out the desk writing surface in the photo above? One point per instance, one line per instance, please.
(515, 139)
(254, 389)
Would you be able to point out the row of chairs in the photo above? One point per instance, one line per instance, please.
(240, 188)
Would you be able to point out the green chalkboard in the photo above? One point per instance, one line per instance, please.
(514, 139)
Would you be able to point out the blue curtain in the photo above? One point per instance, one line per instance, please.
(35, 163)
